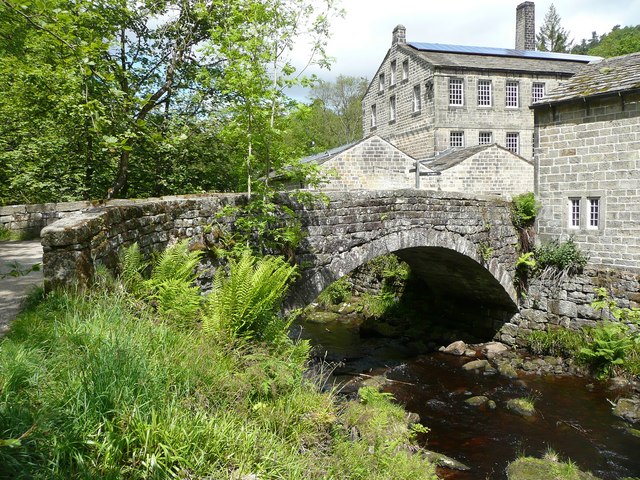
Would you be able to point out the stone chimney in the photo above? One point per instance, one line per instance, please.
(399, 35)
(526, 26)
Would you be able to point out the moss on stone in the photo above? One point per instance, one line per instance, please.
(528, 468)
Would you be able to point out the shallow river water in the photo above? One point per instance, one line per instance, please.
(573, 415)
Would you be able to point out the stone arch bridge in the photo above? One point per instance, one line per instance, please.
(463, 247)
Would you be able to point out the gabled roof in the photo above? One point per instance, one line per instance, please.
(485, 58)
(451, 158)
(322, 157)
(610, 76)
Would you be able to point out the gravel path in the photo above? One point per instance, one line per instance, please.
(13, 290)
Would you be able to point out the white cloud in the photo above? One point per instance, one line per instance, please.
(361, 39)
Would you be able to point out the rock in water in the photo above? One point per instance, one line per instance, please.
(456, 348)
(628, 409)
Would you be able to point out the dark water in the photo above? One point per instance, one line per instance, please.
(573, 418)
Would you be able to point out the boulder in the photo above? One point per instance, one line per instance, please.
(521, 406)
(492, 349)
(444, 461)
(456, 348)
(476, 365)
(477, 400)
(628, 409)
(506, 370)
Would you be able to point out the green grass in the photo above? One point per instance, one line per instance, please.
(96, 386)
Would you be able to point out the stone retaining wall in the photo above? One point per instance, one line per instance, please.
(29, 220)
(567, 302)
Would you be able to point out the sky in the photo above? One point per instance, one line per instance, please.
(360, 40)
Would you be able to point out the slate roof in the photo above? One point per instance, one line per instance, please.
(603, 77)
(323, 157)
(497, 59)
(451, 158)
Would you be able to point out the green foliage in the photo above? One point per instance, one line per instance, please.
(16, 269)
(606, 304)
(526, 262)
(262, 226)
(607, 349)
(619, 41)
(170, 287)
(245, 302)
(336, 293)
(5, 234)
(560, 342)
(525, 207)
(94, 386)
(391, 270)
(562, 256)
(486, 251)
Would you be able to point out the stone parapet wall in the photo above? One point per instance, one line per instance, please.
(74, 245)
(28, 220)
(566, 302)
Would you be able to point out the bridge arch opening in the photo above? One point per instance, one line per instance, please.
(447, 272)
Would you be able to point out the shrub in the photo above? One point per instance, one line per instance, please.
(336, 293)
(607, 349)
(524, 209)
(563, 256)
(246, 301)
(556, 341)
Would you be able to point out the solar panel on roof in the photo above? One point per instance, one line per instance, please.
(502, 52)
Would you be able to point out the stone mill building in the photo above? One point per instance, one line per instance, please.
(428, 97)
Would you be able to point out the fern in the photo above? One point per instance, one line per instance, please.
(132, 265)
(176, 263)
(245, 302)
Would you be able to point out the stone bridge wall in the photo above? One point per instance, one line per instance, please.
(351, 229)
(28, 220)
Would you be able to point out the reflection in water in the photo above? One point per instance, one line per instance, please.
(571, 419)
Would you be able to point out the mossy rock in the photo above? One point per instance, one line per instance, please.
(476, 401)
(527, 468)
(506, 370)
(321, 317)
(521, 406)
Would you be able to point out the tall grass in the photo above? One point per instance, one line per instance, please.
(101, 386)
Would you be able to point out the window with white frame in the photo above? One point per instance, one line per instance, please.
(374, 119)
(405, 70)
(417, 100)
(574, 213)
(484, 93)
(381, 82)
(392, 78)
(456, 139)
(512, 94)
(392, 108)
(456, 92)
(513, 142)
(485, 138)
(594, 212)
(537, 91)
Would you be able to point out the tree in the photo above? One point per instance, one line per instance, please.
(619, 41)
(258, 70)
(138, 98)
(552, 37)
(585, 46)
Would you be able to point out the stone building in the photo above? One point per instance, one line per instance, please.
(428, 97)
(588, 161)
(481, 169)
(375, 164)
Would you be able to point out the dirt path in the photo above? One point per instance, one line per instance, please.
(17, 256)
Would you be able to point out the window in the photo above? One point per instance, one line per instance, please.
(374, 120)
(392, 79)
(456, 139)
(485, 138)
(455, 92)
(512, 95)
(594, 212)
(417, 101)
(484, 93)
(513, 142)
(537, 91)
(405, 70)
(392, 108)
(381, 82)
(574, 212)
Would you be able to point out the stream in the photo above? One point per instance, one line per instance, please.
(573, 414)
